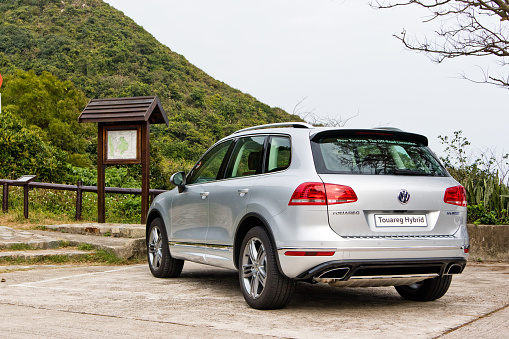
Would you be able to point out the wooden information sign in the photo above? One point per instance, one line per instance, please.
(123, 137)
(122, 144)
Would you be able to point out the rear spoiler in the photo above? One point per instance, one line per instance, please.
(390, 134)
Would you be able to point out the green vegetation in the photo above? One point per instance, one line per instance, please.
(85, 247)
(53, 106)
(23, 150)
(60, 207)
(54, 54)
(19, 247)
(98, 257)
(29, 247)
(485, 179)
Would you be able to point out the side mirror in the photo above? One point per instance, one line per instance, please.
(179, 179)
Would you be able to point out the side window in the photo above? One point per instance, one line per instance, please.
(207, 169)
(280, 153)
(246, 158)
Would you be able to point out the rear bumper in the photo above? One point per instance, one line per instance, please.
(340, 270)
(384, 258)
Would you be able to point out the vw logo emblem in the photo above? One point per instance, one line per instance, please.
(403, 196)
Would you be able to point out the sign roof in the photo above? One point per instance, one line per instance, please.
(132, 109)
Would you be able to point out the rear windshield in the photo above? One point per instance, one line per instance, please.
(374, 155)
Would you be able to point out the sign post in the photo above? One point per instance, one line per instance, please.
(123, 138)
(118, 145)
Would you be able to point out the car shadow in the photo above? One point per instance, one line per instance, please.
(225, 284)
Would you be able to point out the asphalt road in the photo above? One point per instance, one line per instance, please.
(205, 302)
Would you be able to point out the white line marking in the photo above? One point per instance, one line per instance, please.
(28, 284)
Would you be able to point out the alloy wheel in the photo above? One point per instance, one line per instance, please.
(254, 267)
(155, 248)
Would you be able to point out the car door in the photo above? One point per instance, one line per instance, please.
(230, 196)
(190, 208)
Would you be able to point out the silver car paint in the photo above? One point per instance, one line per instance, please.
(352, 236)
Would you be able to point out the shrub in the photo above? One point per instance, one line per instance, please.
(23, 151)
(485, 178)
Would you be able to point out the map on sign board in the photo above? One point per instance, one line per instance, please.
(122, 144)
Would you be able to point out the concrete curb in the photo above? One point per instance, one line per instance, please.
(41, 253)
(489, 242)
(125, 241)
(10, 237)
(113, 230)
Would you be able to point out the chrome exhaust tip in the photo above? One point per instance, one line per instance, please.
(335, 273)
(454, 269)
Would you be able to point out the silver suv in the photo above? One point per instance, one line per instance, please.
(291, 202)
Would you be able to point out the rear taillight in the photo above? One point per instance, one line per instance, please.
(339, 194)
(317, 193)
(456, 195)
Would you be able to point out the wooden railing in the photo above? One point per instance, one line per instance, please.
(79, 189)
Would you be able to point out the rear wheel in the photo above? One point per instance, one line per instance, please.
(426, 290)
(262, 285)
(161, 263)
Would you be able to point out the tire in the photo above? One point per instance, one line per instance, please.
(261, 282)
(161, 264)
(426, 290)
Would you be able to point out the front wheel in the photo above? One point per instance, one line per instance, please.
(160, 261)
(426, 290)
(261, 282)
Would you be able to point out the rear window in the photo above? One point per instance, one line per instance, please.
(374, 155)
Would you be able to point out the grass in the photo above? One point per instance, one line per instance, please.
(85, 247)
(99, 257)
(20, 247)
(52, 207)
(28, 247)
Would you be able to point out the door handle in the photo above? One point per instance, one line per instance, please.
(204, 195)
(243, 191)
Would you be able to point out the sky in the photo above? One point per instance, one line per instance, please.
(337, 58)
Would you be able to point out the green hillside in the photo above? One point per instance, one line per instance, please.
(57, 54)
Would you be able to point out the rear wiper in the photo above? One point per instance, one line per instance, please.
(405, 171)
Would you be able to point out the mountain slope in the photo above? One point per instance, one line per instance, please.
(106, 54)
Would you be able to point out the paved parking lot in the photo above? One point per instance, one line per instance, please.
(205, 302)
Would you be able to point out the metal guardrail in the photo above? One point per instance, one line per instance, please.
(79, 189)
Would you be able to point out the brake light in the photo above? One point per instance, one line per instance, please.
(317, 193)
(376, 134)
(339, 194)
(456, 195)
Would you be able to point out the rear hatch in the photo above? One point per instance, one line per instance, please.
(401, 188)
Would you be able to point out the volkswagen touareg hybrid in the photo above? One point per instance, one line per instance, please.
(289, 202)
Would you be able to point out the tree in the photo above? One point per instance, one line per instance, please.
(23, 151)
(50, 104)
(468, 28)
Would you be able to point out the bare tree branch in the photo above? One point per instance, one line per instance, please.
(316, 120)
(467, 28)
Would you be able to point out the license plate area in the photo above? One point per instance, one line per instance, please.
(400, 220)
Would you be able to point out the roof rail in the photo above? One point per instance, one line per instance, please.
(277, 124)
